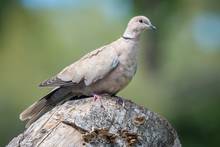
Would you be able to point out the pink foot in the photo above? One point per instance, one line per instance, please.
(98, 97)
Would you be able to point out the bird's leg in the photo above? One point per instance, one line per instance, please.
(119, 100)
(98, 97)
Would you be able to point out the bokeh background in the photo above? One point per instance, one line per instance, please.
(179, 64)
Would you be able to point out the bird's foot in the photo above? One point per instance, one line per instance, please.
(120, 101)
(98, 97)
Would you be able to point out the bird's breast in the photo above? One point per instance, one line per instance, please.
(116, 80)
(121, 75)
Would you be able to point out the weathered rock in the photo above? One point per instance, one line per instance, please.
(86, 123)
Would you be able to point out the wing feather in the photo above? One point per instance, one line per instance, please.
(90, 68)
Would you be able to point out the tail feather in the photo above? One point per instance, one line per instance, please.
(33, 109)
(44, 110)
(37, 109)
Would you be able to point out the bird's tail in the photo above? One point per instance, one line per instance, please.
(37, 109)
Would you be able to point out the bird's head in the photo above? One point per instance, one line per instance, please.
(137, 25)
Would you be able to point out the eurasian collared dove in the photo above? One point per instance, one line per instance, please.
(106, 70)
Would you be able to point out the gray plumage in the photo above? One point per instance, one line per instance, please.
(107, 69)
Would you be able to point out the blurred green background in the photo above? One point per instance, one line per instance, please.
(179, 64)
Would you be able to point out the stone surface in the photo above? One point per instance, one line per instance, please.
(104, 122)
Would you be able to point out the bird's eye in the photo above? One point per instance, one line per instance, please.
(141, 21)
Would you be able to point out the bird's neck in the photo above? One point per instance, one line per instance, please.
(130, 34)
(127, 48)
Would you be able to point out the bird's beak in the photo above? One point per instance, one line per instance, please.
(152, 27)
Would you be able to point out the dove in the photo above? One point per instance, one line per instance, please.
(105, 70)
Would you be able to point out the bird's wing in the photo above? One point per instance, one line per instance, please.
(90, 68)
